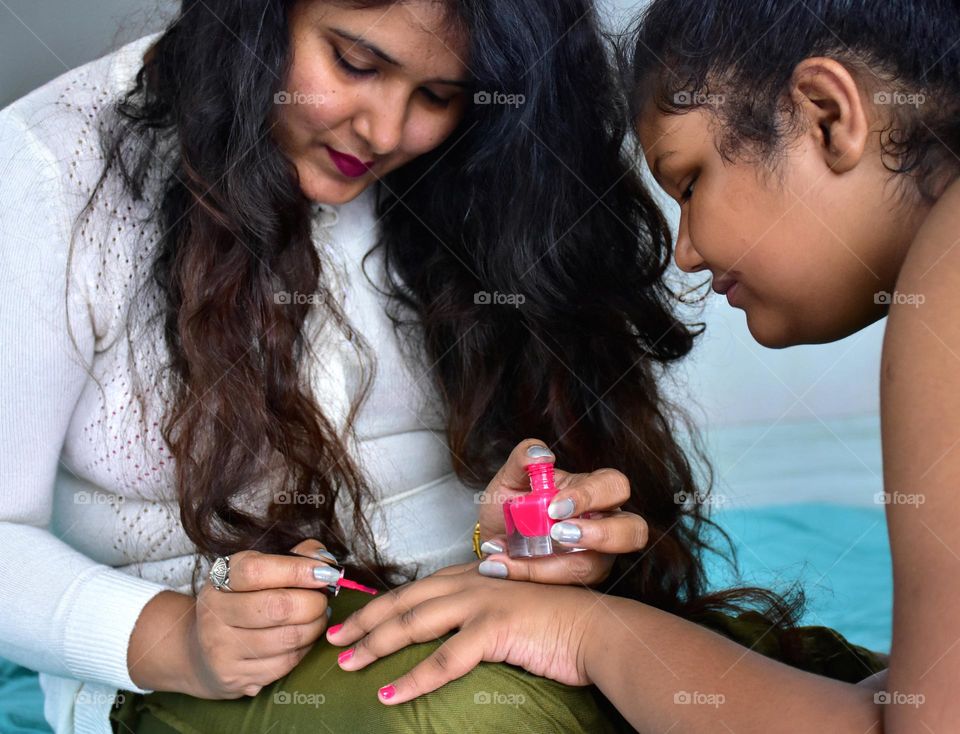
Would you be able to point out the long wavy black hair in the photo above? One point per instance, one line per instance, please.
(539, 199)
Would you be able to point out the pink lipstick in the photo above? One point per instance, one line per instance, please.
(347, 164)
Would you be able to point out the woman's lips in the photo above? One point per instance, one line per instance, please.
(347, 164)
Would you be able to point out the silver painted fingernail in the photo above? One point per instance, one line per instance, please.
(565, 532)
(494, 569)
(488, 547)
(327, 574)
(325, 555)
(539, 452)
(561, 510)
(329, 612)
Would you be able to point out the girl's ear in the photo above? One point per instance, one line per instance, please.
(829, 99)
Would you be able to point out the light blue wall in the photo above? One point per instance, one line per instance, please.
(41, 39)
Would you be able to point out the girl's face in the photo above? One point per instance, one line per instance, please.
(368, 91)
(805, 251)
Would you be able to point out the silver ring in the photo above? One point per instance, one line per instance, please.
(220, 573)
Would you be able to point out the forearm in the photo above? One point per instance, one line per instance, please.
(665, 673)
(160, 656)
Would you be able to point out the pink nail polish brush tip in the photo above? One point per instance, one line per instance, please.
(342, 582)
(348, 584)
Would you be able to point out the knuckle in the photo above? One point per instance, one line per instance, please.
(582, 570)
(440, 660)
(231, 682)
(291, 636)
(603, 534)
(408, 618)
(279, 605)
(392, 599)
(642, 533)
(618, 484)
(252, 567)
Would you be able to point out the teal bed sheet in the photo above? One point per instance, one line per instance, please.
(840, 555)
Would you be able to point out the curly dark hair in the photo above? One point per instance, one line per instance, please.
(686, 54)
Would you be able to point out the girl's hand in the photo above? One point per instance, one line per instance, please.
(588, 505)
(541, 630)
(249, 637)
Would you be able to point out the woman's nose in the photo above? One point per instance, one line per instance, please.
(381, 126)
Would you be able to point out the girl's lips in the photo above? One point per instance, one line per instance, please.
(723, 285)
(732, 293)
(347, 164)
(727, 287)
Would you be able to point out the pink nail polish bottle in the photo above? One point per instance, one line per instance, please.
(527, 522)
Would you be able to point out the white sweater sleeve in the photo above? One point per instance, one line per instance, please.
(60, 611)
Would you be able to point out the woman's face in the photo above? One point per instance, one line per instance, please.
(368, 91)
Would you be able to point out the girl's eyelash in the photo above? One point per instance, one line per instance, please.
(689, 190)
(361, 73)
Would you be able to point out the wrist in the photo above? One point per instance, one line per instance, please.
(159, 656)
(596, 637)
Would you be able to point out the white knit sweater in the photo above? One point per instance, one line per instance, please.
(89, 522)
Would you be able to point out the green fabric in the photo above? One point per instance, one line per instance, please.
(322, 698)
(317, 696)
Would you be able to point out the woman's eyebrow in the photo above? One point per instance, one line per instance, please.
(388, 58)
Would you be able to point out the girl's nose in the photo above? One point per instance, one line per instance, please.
(685, 254)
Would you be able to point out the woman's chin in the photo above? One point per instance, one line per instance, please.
(328, 188)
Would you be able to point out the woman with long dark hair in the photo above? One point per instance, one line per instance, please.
(296, 277)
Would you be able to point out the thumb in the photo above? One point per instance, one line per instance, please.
(513, 474)
(313, 548)
(582, 567)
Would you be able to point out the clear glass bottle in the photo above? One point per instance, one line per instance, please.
(526, 519)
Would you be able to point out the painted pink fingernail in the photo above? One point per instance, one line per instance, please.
(345, 656)
(388, 691)
(333, 630)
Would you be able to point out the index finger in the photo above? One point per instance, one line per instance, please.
(603, 489)
(254, 571)
(391, 603)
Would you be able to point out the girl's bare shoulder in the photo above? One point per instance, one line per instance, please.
(935, 251)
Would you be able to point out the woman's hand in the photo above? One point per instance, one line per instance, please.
(249, 637)
(588, 505)
(541, 630)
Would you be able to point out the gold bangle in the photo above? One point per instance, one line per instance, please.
(476, 541)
